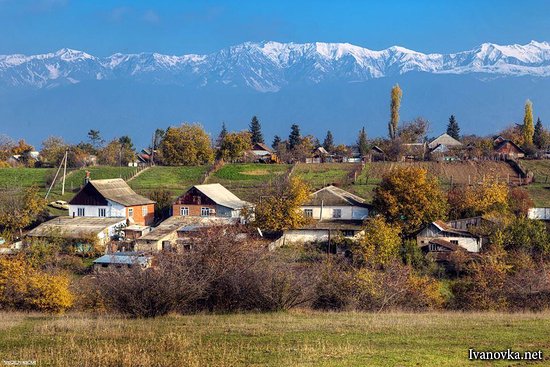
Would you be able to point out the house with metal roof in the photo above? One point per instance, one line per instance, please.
(122, 260)
(334, 203)
(453, 233)
(211, 200)
(112, 198)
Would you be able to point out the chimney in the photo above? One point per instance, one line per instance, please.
(87, 178)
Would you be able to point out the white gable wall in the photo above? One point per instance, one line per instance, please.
(112, 210)
(348, 212)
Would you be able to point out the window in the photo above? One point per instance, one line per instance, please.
(144, 211)
(337, 213)
(184, 211)
(131, 212)
(81, 212)
(455, 242)
(102, 212)
(348, 233)
(308, 213)
(205, 212)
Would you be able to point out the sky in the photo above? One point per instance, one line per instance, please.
(182, 27)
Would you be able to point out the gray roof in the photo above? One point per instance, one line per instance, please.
(334, 196)
(222, 196)
(124, 259)
(445, 140)
(173, 224)
(74, 227)
(117, 190)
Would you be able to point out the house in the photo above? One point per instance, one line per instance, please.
(135, 231)
(319, 155)
(80, 229)
(414, 151)
(261, 153)
(444, 147)
(456, 233)
(166, 235)
(375, 154)
(112, 198)
(507, 149)
(539, 213)
(333, 203)
(321, 231)
(122, 260)
(210, 200)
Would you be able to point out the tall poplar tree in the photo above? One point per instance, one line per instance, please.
(396, 95)
(255, 131)
(328, 143)
(452, 128)
(528, 128)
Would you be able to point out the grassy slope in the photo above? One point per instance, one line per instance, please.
(320, 175)
(25, 177)
(247, 180)
(175, 179)
(540, 190)
(277, 339)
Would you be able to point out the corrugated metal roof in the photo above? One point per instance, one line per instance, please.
(117, 190)
(446, 140)
(173, 224)
(332, 196)
(222, 196)
(74, 227)
(123, 259)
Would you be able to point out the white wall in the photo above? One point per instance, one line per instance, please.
(112, 210)
(348, 212)
(468, 243)
(539, 213)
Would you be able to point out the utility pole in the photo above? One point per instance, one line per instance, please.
(64, 172)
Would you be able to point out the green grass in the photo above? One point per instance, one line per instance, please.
(541, 169)
(277, 339)
(25, 177)
(175, 179)
(323, 174)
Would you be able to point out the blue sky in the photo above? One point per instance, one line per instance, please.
(179, 27)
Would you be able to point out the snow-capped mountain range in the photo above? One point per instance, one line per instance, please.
(270, 66)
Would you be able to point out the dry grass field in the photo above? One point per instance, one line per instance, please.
(278, 339)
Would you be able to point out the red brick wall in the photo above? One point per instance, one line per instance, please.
(138, 214)
(194, 210)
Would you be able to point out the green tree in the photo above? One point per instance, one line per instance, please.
(19, 208)
(328, 143)
(527, 234)
(528, 128)
(395, 103)
(362, 142)
(187, 144)
(295, 136)
(276, 142)
(221, 135)
(255, 130)
(234, 146)
(452, 128)
(411, 198)
(95, 138)
(540, 136)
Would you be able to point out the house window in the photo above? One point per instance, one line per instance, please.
(308, 213)
(131, 212)
(81, 212)
(454, 242)
(144, 211)
(102, 212)
(337, 213)
(348, 233)
(205, 212)
(184, 211)
(432, 247)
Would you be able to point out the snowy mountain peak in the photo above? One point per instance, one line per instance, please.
(270, 66)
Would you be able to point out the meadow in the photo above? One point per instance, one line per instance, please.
(297, 338)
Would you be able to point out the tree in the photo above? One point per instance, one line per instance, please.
(453, 129)
(53, 150)
(276, 141)
(362, 142)
(295, 136)
(126, 142)
(488, 197)
(414, 131)
(234, 146)
(221, 135)
(95, 138)
(396, 95)
(187, 144)
(540, 137)
(116, 153)
(528, 129)
(380, 244)
(255, 130)
(280, 209)
(410, 197)
(328, 143)
(19, 208)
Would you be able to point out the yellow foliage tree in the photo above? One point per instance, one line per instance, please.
(280, 209)
(187, 145)
(19, 208)
(488, 197)
(380, 244)
(234, 145)
(411, 198)
(24, 288)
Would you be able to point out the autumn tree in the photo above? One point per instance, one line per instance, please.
(396, 95)
(234, 146)
(53, 150)
(528, 128)
(187, 144)
(527, 234)
(362, 142)
(490, 196)
(414, 131)
(116, 153)
(328, 143)
(20, 207)
(255, 130)
(380, 244)
(280, 209)
(453, 129)
(410, 198)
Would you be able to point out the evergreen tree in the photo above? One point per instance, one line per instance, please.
(328, 143)
(221, 135)
(362, 142)
(276, 142)
(453, 129)
(538, 138)
(255, 131)
(396, 95)
(295, 136)
(528, 128)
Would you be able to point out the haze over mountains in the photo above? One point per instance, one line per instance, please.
(321, 86)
